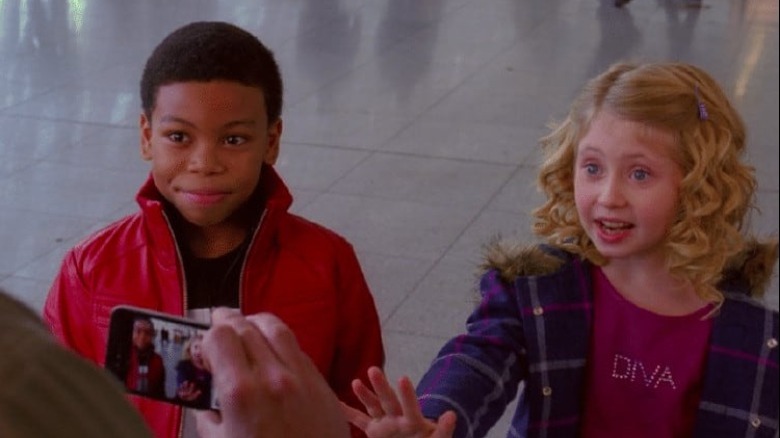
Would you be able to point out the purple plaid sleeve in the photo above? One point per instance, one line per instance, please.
(477, 373)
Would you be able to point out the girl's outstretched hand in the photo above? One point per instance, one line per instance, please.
(391, 417)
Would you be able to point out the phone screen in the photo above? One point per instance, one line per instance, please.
(159, 356)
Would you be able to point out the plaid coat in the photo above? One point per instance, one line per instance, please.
(531, 332)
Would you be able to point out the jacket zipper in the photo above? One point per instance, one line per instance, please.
(246, 259)
(180, 264)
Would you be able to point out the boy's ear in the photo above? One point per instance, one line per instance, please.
(146, 137)
(274, 138)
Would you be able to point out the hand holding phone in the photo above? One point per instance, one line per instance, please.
(266, 384)
(159, 356)
(269, 386)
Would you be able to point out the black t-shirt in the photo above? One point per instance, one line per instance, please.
(213, 282)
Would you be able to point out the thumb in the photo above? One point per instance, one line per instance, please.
(354, 416)
(445, 426)
(207, 423)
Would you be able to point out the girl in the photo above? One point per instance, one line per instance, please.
(638, 318)
(193, 380)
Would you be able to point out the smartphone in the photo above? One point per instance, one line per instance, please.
(158, 356)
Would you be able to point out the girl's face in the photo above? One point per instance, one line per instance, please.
(626, 187)
(196, 353)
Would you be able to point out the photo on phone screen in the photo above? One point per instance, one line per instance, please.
(159, 356)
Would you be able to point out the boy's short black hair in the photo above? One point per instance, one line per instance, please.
(145, 319)
(207, 51)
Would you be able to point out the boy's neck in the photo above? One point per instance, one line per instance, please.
(215, 241)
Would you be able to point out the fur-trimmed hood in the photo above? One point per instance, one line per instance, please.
(751, 269)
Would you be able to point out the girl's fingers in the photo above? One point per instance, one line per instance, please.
(387, 416)
(356, 417)
(368, 399)
(409, 404)
(385, 393)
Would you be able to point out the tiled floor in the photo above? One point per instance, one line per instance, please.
(411, 125)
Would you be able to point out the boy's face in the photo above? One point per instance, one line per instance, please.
(143, 334)
(207, 142)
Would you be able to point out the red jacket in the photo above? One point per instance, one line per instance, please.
(155, 374)
(305, 274)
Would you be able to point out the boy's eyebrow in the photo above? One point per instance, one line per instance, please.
(248, 122)
(174, 119)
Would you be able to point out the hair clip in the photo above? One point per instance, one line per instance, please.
(702, 109)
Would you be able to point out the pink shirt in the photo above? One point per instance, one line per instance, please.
(644, 370)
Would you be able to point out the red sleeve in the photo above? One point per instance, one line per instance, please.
(359, 338)
(67, 310)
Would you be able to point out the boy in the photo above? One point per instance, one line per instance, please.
(213, 229)
(146, 372)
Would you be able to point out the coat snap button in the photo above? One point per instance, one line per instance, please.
(538, 311)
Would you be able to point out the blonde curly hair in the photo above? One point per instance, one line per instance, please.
(186, 352)
(717, 190)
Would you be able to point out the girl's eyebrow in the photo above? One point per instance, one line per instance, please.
(597, 151)
(589, 148)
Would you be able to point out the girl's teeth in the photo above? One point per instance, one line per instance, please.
(614, 225)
